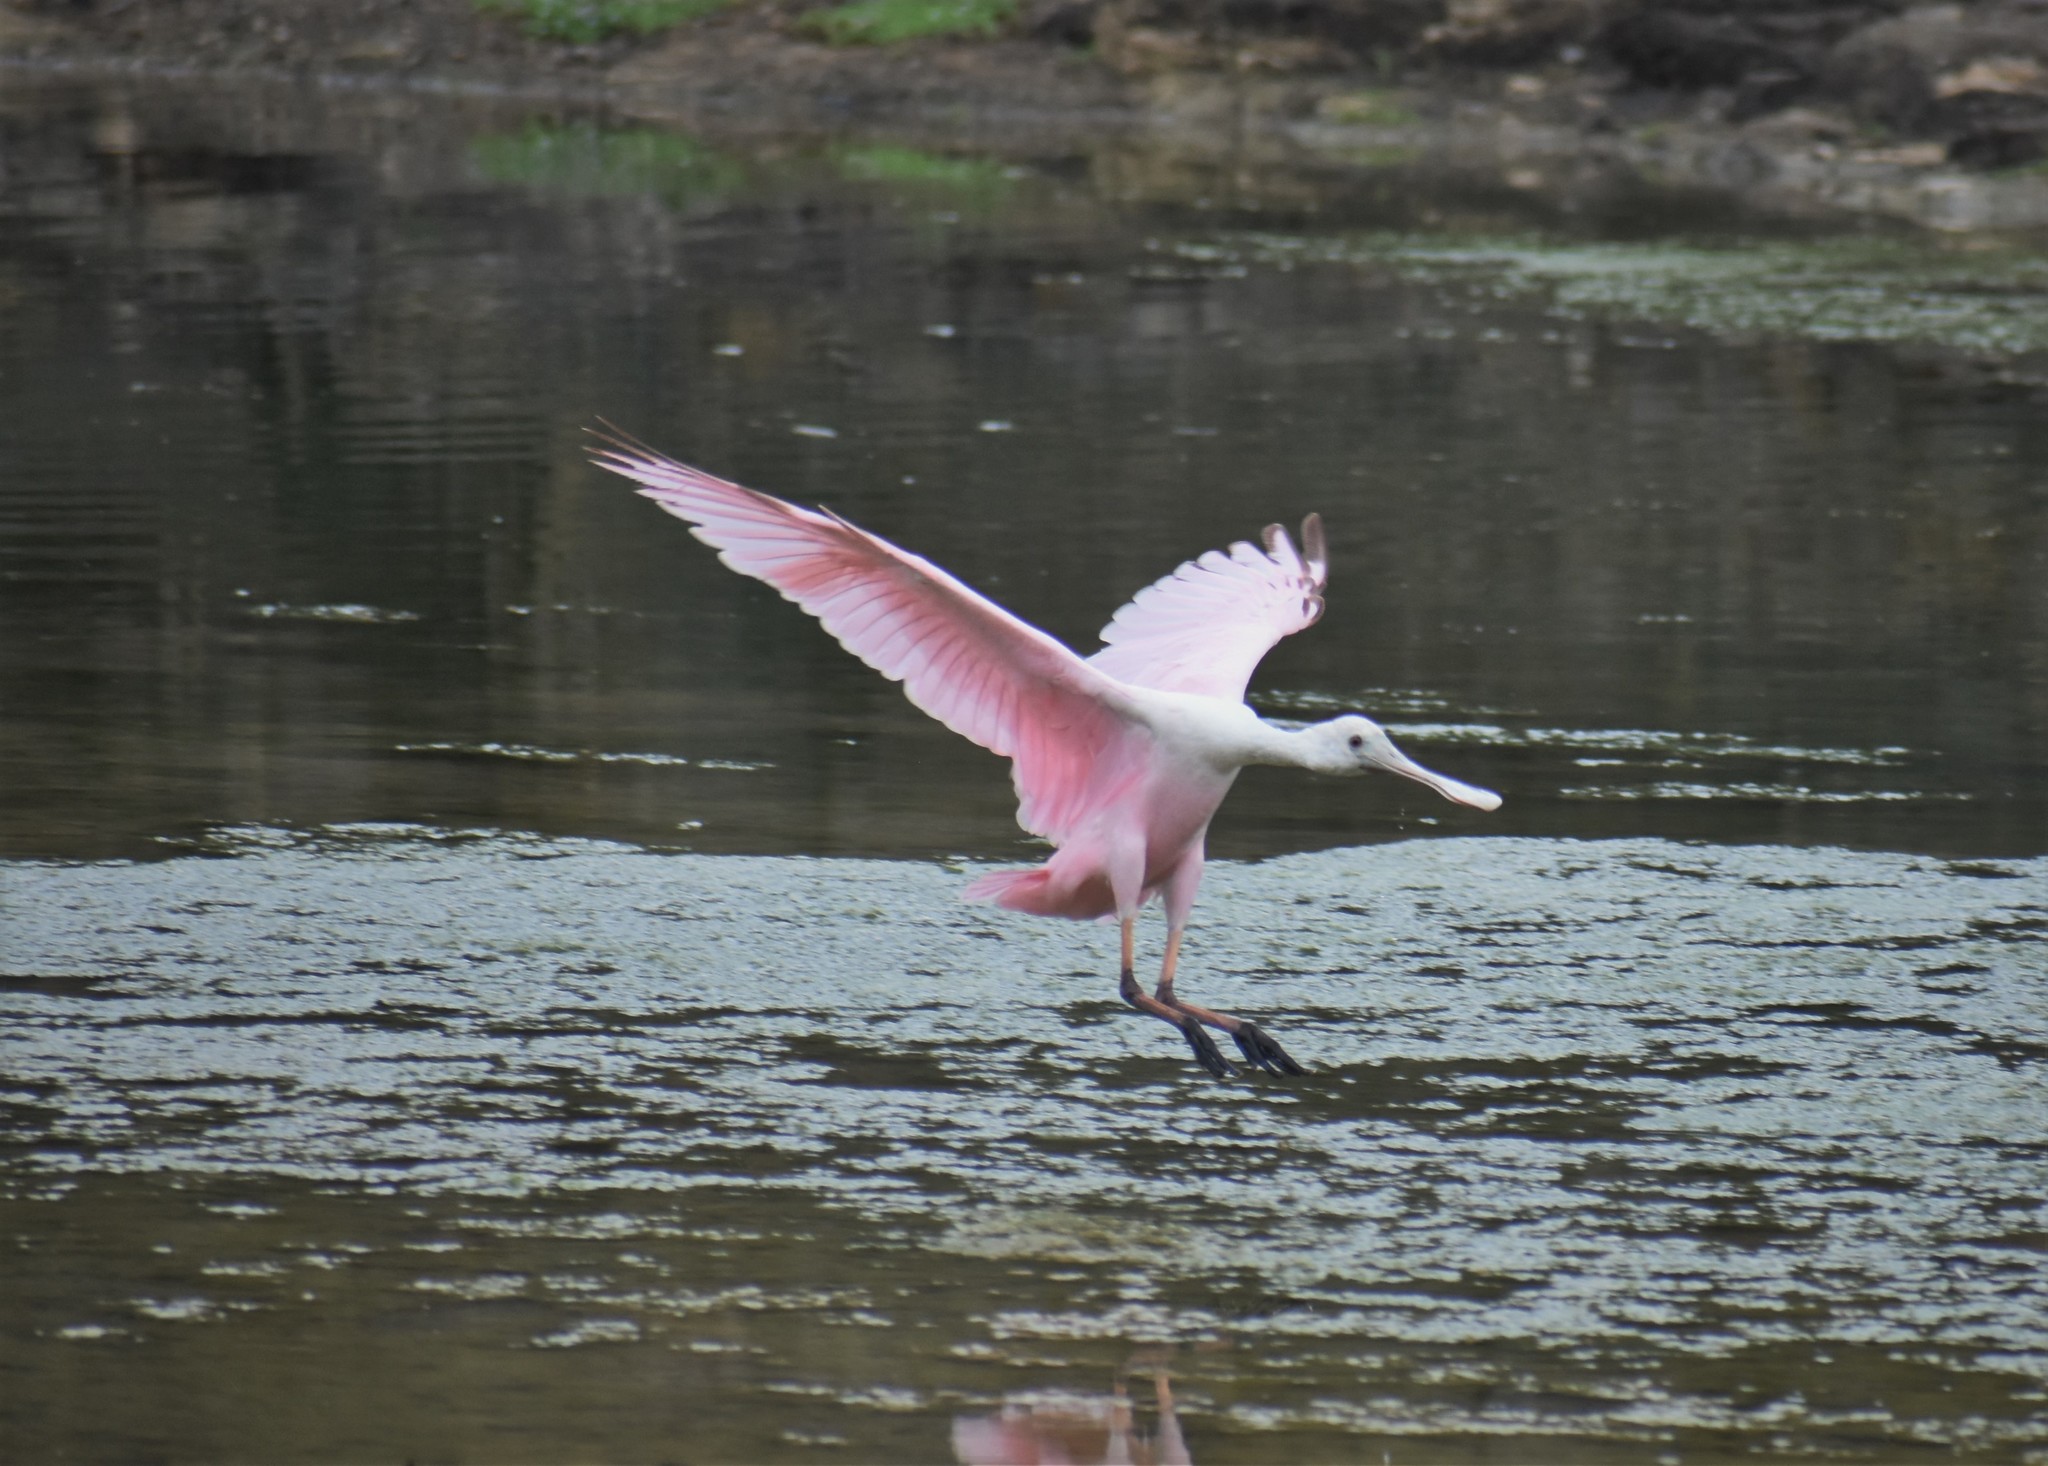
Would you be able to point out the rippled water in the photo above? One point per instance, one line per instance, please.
(430, 1030)
(1607, 1145)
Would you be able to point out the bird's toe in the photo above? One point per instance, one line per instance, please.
(1206, 1053)
(1262, 1051)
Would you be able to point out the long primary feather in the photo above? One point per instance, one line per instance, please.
(966, 661)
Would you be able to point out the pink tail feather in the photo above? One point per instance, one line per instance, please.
(1036, 891)
(1020, 890)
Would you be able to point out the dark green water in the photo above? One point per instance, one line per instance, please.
(427, 1030)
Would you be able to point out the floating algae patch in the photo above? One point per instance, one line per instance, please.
(978, 179)
(1986, 298)
(578, 158)
(681, 171)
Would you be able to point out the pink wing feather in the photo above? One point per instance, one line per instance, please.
(960, 657)
(1204, 628)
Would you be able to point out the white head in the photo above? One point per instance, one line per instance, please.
(1353, 745)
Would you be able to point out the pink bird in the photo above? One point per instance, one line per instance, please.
(1119, 759)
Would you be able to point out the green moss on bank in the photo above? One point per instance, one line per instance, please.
(882, 22)
(581, 22)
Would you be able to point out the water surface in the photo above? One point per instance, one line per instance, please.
(300, 530)
(1609, 1146)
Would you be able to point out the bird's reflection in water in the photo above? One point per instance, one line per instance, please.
(1075, 1430)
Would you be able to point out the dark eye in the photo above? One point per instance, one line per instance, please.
(1357, 741)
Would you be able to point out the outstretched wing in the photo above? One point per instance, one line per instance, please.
(960, 657)
(1204, 627)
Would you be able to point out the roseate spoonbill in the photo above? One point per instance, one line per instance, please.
(1119, 759)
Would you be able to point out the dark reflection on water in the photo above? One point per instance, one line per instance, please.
(1074, 1429)
(365, 1143)
(299, 529)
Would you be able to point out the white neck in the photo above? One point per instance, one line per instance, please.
(1287, 748)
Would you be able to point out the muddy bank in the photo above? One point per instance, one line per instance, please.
(1938, 114)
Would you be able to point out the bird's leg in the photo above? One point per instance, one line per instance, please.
(1190, 1026)
(1260, 1049)
(1173, 1448)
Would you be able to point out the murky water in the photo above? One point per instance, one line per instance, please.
(429, 1032)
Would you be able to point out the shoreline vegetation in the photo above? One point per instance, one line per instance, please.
(1934, 114)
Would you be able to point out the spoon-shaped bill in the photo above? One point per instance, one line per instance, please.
(1396, 762)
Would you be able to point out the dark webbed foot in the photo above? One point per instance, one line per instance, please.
(1262, 1051)
(1206, 1052)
